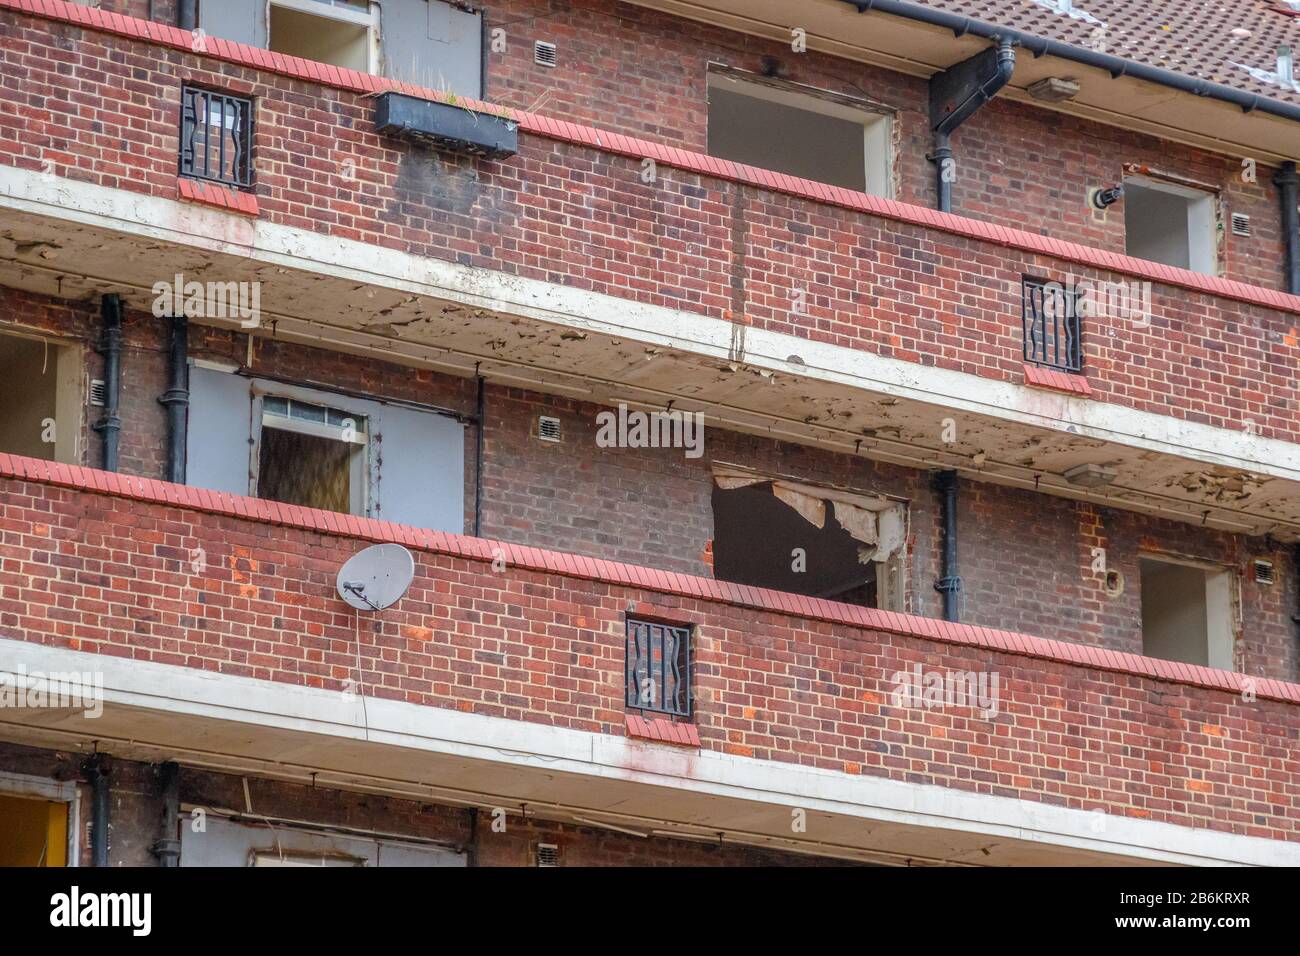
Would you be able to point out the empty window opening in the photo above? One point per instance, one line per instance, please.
(1186, 613)
(312, 456)
(339, 34)
(804, 135)
(40, 392)
(35, 832)
(823, 543)
(1171, 224)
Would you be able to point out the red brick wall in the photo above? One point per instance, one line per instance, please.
(1025, 558)
(111, 575)
(644, 73)
(902, 290)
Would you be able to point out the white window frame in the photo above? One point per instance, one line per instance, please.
(1202, 221)
(359, 501)
(877, 124)
(1222, 606)
(341, 13)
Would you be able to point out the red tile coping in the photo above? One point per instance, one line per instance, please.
(1056, 380)
(212, 194)
(364, 83)
(662, 730)
(152, 491)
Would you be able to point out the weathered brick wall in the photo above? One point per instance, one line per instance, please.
(1026, 559)
(644, 73)
(112, 575)
(136, 813)
(563, 212)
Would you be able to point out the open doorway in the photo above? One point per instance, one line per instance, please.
(40, 393)
(822, 542)
(1171, 224)
(1187, 613)
(38, 821)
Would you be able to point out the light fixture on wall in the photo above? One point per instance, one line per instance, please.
(1090, 476)
(1054, 89)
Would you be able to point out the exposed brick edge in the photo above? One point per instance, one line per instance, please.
(152, 491)
(212, 194)
(662, 731)
(215, 48)
(1056, 380)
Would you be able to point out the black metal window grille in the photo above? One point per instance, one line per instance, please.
(659, 667)
(216, 137)
(1050, 316)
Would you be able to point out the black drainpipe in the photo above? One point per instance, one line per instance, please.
(479, 422)
(177, 398)
(955, 96)
(111, 348)
(1117, 66)
(168, 846)
(187, 14)
(1286, 181)
(97, 770)
(945, 482)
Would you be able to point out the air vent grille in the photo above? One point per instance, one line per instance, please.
(548, 854)
(1263, 572)
(1240, 224)
(97, 390)
(545, 54)
(548, 429)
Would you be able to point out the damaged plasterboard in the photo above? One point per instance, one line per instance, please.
(874, 520)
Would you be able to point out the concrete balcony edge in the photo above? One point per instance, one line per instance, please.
(156, 711)
(364, 83)
(277, 247)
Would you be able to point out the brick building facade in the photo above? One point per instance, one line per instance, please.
(1115, 535)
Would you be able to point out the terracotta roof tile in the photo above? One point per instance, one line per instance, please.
(1221, 42)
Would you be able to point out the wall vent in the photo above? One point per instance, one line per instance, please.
(548, 429)
(97, 390)
(1263, 572)
(545, 54)
(548, 854)
(1240, 224)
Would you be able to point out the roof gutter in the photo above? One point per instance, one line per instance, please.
(1116, 66)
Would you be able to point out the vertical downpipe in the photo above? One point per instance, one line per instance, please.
(97, 772)
(111, 348)
(177, 398)
(1286, 181)
(168, 846)
(479, 428)
(945, 482)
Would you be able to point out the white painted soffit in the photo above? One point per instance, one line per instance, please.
(199, 227)
(162, 709)
(150, 234)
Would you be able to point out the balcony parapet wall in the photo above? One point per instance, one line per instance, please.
(142, 569)
(707, 236)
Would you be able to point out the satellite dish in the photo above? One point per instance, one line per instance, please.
(377, 577)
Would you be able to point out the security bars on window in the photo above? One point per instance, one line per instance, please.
(659, 668)
(1050, 319)
(216, 137)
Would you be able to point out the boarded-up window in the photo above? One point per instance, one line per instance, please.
(322, 450)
